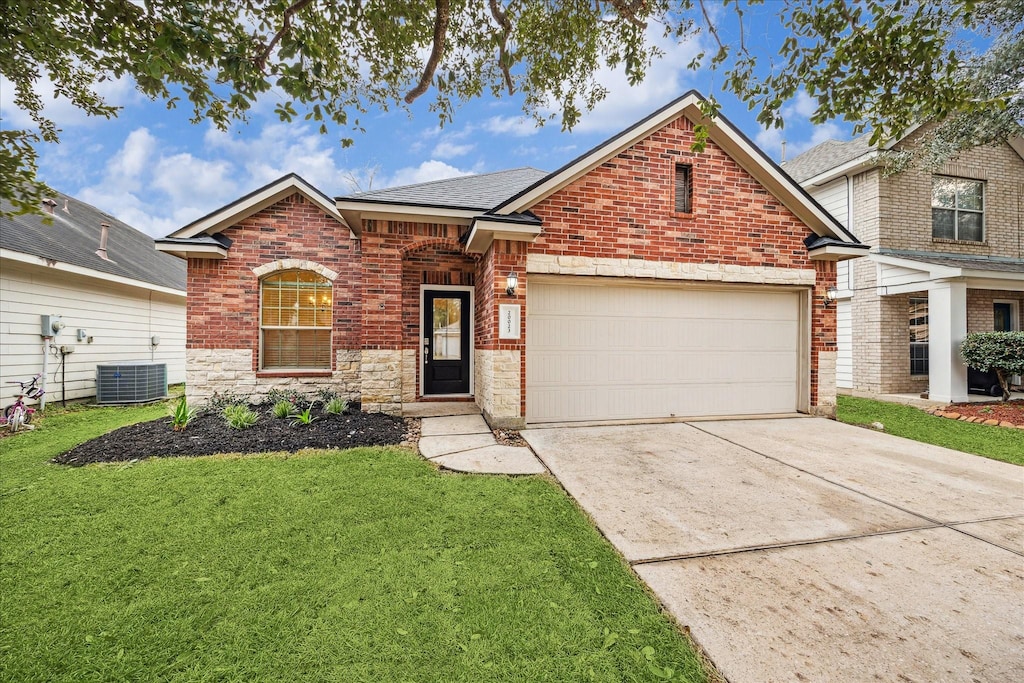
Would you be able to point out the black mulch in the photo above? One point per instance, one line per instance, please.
(208, 434)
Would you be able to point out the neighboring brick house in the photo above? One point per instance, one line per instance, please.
(947, 258)
(641, 280)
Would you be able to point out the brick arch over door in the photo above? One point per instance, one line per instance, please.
(430, 262)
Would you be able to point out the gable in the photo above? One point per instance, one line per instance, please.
(722, 133)
(625, 208)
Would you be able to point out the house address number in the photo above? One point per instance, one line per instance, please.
(508, 327)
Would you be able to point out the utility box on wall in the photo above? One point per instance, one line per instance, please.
(50, 325)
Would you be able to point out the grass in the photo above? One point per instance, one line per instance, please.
(360, 565)
(998, 443)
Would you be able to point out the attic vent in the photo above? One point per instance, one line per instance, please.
(684, 188)
(49, 203)
(131, 382)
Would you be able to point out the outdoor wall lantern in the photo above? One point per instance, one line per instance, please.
(831, 294)
(510, 284)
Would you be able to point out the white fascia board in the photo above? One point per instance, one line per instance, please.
(187, 251)
(407, 212)
(268, 196)
(933, 270)
(60, 266)
(835, 252)
(484, 232)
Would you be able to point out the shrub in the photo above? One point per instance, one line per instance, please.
(304, 417)
(293, 397)
(181, 415)
(325, 395)
(999, 351)
(283, 409)
(336, 406)
(240, 416)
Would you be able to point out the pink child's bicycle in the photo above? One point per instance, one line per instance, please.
(18, 415)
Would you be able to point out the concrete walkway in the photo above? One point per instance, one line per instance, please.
(809, 550)
(465, 443)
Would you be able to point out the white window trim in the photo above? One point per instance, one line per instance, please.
(330, 359)
(956, 211)
(472, 339)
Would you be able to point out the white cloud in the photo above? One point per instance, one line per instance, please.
(116, 92)
(425, 172)
(158, 189)
(519, 126)
(447, 149)
(625, 104)
(803, 105)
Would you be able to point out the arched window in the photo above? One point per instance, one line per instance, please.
(296, 312)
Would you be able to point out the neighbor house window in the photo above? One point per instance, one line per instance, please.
(684, 188)
(918, 336)
(958, 209)
(295, 321)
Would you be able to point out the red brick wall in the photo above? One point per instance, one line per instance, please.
(625, 208)
(398, 256)
(223, 295)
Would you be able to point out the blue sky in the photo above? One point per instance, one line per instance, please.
(154, 170)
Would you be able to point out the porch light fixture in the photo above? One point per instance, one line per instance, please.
(510, 284)
(831, 294)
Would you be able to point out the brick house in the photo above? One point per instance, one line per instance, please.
(947, 258)
(641, 280)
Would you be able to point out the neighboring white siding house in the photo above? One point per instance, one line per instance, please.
(121, 303)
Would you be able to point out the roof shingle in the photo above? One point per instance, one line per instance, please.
(74, 236)
(474, 192)
(826, 156)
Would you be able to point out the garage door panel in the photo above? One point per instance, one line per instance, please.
(623, 352)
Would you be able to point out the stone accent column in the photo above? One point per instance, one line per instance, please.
(826, 385)
(381, 373)
(947, 328)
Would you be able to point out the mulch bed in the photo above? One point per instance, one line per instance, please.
(1005, 414)
(209, 434)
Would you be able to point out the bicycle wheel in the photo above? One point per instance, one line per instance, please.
(15, 416)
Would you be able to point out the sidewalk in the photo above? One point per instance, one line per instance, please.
(465, 443)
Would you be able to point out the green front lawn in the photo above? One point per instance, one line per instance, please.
(998, 443)
(360, 565)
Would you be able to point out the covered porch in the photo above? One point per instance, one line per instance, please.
(964, 294)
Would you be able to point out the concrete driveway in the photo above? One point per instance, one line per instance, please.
(804, 549)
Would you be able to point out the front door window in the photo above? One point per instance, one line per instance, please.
(447, 328)
(1002, 321)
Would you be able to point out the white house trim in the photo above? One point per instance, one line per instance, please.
(268, 195)
(486, 231)
(89, 272)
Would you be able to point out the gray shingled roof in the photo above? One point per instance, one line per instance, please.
(475, 192)
(998, 265)
(74, 236)
(826, 156)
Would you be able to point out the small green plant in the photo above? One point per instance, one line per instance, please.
(283, 409)
(336, 406)
(275, 396)
(303, 417)
(240, 416)
(181, 415)
(325, 395)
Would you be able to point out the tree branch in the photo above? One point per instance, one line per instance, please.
(286, 25)
(441, 19)
(627, 10)
(506, 28)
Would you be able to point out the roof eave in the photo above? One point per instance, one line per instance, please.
(837, 252)
(854, 166)
(486, 230)
(187, 251)
(356, 211)
(258, 200)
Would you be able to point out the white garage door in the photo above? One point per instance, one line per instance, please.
(596, 351)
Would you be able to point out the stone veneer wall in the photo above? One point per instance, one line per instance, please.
(826, 384)
(229, 371)
(498, 387)
(381, 375)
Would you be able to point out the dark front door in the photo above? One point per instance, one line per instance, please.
(446, 342)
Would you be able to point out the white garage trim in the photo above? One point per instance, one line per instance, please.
(607, 349)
